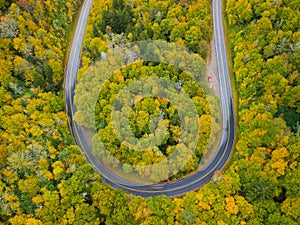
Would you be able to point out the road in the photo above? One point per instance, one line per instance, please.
(182, 186)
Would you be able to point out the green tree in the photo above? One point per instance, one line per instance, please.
(119, 17)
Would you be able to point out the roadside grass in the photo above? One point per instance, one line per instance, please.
(232, 79)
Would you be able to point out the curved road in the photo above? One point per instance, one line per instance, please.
(182, 186)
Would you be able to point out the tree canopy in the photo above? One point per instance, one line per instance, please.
(44, 178)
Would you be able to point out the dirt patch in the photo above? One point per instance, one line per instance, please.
(212, 72)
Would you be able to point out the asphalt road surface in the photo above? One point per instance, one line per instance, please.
(171, 189)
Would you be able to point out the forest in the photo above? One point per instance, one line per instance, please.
(44, 177)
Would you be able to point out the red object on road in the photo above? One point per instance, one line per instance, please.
(209, 79)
